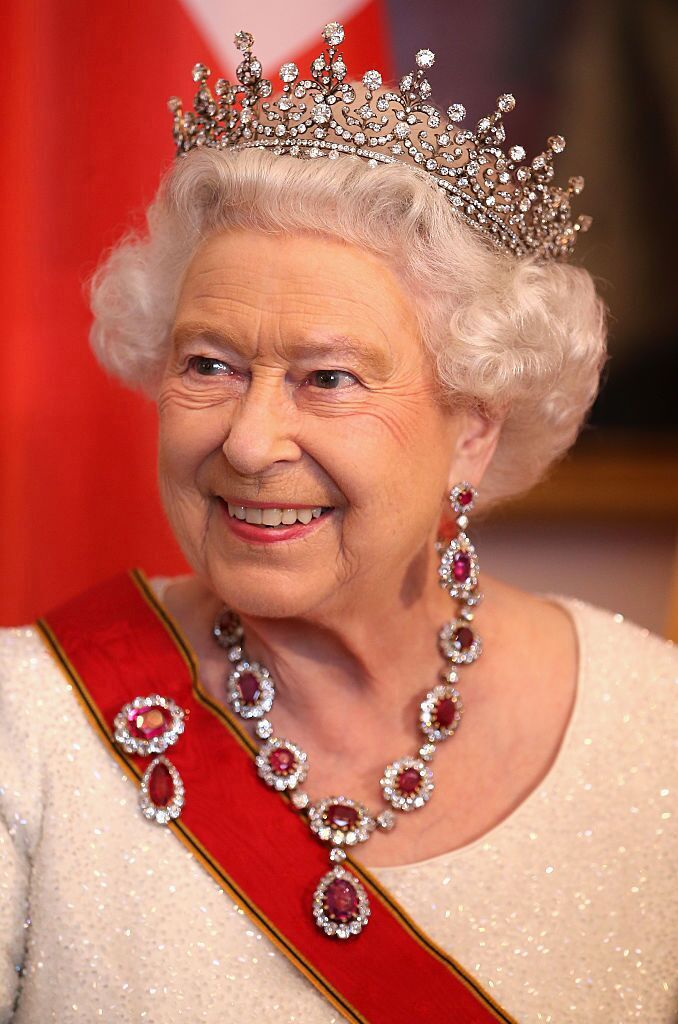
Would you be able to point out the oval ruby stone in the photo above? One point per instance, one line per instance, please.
(341, 816)
(281, 760)
(248, 684)
(341, 901)
(465, 498)
(461, 567)
(145, 724)
(409, 781)
(444, 712)
(160, 785)
(464, 637)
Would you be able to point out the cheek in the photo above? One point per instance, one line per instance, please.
(397, 450)
(393, 482)
(187, 435)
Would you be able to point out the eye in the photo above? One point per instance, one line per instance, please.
(206, 366)
(332, 380)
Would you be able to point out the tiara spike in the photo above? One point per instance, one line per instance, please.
(243, 41)
(425, 58)
(200, 73)
(510, 200)
(333, 34)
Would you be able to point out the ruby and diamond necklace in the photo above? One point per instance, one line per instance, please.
(340, 903)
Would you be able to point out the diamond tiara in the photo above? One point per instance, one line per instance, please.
(511, 201)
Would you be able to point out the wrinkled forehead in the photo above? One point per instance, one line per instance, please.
(252, 282)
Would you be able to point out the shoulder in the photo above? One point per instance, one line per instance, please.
(620, 650)
(35, 704)
(30, 679)
(626, 691)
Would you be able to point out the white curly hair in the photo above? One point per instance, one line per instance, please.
(515, 338)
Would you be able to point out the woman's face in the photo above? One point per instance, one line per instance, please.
(296, 382)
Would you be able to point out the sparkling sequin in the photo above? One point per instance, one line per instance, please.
(564, 911)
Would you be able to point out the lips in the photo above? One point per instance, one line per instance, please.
(266, 523)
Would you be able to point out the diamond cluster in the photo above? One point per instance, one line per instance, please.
(340, 820)
(508, 199)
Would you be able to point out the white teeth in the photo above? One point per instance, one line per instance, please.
(274, 516)
(236, 511)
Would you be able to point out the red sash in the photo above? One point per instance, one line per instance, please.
(116, 642)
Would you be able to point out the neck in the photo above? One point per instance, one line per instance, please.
(364, 656)
(366, 662)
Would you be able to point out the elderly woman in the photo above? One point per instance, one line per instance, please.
(354, 339)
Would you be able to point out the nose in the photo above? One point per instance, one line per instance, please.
(262, 430)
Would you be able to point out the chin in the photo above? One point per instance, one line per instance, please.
(265, 592)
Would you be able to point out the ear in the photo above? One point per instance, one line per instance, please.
(475, 444)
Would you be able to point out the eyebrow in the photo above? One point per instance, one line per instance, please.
(336, 345)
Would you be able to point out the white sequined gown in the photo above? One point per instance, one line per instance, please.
(566, 911)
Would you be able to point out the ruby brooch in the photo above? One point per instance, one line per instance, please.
(150, 725)
(340, 903)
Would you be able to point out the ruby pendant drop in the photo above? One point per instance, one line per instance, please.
(161, 796)
(458, 571)
(340, 904)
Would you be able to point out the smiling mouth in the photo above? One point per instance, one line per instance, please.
(275, 517)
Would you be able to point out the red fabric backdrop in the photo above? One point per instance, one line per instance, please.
(87, 135)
